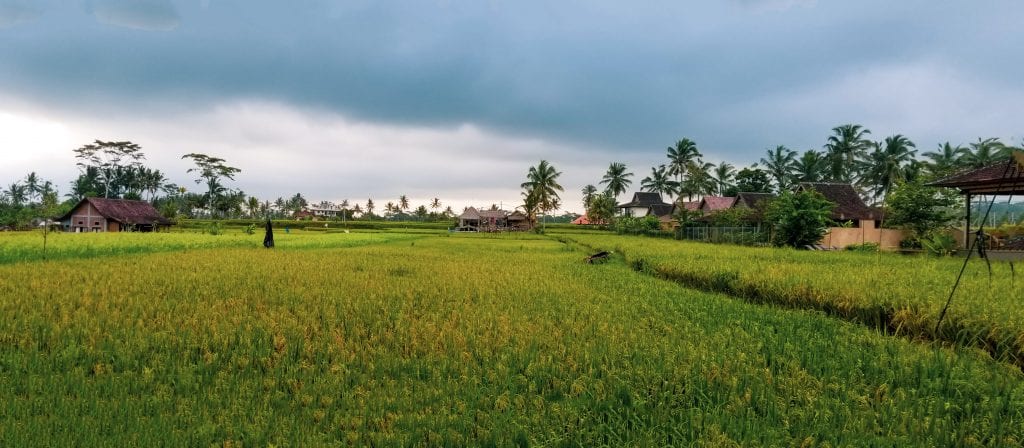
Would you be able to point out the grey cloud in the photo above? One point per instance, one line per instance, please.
(13, 12)
(151, 15)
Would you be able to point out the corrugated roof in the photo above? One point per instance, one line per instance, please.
(124, 211)
(849, 205)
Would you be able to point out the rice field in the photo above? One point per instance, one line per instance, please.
(903, 295)
(451, 340)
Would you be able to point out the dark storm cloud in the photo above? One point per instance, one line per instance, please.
(736, 76)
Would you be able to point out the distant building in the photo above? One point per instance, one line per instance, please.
(641, 204)
(112, 215)
(492, 220)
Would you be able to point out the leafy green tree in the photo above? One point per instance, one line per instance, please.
(421, 212)
(659, 182)
(751, 180)
(602, 209)
(798, 219)
(616, 179)
(212, 170)
(109, 159)
(920, 209)
(847, 144)
(779, 163)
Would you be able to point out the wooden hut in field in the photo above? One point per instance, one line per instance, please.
(112, 215)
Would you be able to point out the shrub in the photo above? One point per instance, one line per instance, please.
(799, 219)
(864, 247)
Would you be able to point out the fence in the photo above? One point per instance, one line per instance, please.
(732, 235)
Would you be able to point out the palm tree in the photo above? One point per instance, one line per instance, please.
(780, 165)
(847, 144)
(369, 206)
(659, 182)
(946, 160)
(253, 206)
(17, 194)
(32, 186)
(435, 204)
(810, 167)
(985, 152)
(724, 174)
(680, 156)
(699, 181)
(541, 187)
(589, 191)
(344, 210)
(616, 179)
(448, 211)
(389, 208)
(886, 165)
(356, 210)
(403, 202)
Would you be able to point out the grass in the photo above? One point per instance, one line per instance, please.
(900, 294)
(501, 340)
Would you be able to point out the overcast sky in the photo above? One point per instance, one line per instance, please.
(457, 99)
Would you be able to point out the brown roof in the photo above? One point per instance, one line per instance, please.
(124, 211)
(470, 213)
(715, 203)
(849, 205)
(754, 200)
(1004, 176)
(496, 214)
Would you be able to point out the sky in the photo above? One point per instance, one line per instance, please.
(457, 99)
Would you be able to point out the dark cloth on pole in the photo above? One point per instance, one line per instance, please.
(268, 241)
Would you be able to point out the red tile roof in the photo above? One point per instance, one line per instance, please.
(715, 203)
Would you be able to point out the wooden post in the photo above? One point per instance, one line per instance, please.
(967, 228)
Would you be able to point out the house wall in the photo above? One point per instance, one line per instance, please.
(86, 218)
(635, 211)
(840, 237)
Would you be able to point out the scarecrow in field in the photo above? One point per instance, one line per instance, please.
(268, 240)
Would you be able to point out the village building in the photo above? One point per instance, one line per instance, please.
(641, 204)
(475, 220)
(711, 204)
(112, 215)
(855, 222)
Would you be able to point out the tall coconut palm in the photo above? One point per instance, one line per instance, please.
(435, 204)
(946, 160)
(724, 174)
(842, 150)
(680, 156)
(541, 187)
(779, 163)
(369, 206)
(659, 182)
(886, 165)
(589, 192)
(17, 194)
(616, 179)
(253, 206)
(985, 152)
(403, 203)
(810, 167)
(698, 180)
(32, 185)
